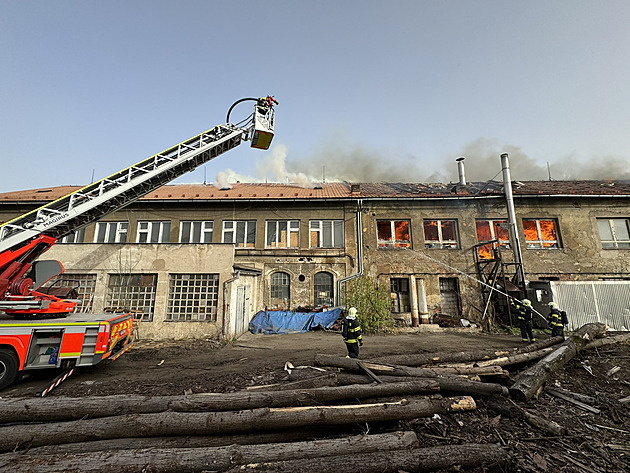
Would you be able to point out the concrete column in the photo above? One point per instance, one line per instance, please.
(415, 317)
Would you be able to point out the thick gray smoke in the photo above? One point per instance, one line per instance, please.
(359, 164)
(482, 163)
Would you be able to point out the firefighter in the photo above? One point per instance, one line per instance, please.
(351, 332)
(524, 311)
(556, 320)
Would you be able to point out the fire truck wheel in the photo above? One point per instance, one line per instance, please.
(9, 367)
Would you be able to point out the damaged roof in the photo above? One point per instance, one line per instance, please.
(345, 190)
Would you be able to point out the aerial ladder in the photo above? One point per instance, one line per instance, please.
(26, 238)
(50, 336)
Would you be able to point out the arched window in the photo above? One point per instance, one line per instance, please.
(323, 289)
(280, 290)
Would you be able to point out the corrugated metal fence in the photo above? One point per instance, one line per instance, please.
(594, 301)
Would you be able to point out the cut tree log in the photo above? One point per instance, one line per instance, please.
(316, 381)
(518, 358)
(607, 341)
(61, 408)
(134, 443)
(448, 384)
(532, 379)
(229, 422)
(463, 356)
(396, 370)
(417, 460)
(203, 459)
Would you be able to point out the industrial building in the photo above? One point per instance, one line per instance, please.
(196, 260)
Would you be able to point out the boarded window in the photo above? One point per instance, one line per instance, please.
(326, 233)
(283, 234)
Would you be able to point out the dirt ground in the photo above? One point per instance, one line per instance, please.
(595, 443)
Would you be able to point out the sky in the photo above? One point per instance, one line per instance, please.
(368, 91)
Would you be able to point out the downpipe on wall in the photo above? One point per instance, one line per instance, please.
(340, 282)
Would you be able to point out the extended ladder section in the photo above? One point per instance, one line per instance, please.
(76, 210)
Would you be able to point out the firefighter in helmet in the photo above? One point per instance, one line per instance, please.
(524, 314)
(556, 319)
(351, 332)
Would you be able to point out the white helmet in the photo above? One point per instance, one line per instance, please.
(352, 313)
(553, 305)
(527, 302)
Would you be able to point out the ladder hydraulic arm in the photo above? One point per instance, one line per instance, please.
(25, 238)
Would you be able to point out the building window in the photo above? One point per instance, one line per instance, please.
(326, 233)
(283, 234)
(74, 237)
(440, 234)
(492, 232)
(240, 232)
(323, 289)
(193, 297)
(154, 231)
(83, 284)
(196, 231)
(540, 234)
(133, 293)
(393, 233)
(614, 232)
(280, 290)
(400, 295)
(111, 232)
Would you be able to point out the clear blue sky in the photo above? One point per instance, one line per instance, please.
(368, 90)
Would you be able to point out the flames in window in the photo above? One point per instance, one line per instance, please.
(494, 231)
(393, 234)
(540, 233)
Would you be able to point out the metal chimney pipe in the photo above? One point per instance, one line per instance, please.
(460, 171)
(516, 245)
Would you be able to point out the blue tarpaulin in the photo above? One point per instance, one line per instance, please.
(286, 321)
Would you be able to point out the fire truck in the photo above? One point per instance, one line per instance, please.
(37, 327)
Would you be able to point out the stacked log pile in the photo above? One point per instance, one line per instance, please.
(322, 418)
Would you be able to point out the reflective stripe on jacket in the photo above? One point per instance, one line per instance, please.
(351, 330)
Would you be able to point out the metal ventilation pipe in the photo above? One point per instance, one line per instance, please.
(460, 171)
(516, 245)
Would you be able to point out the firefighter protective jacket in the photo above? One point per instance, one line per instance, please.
(523, 312)
(351, 330)
(555, 318)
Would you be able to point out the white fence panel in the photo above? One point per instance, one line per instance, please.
(594, 301)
